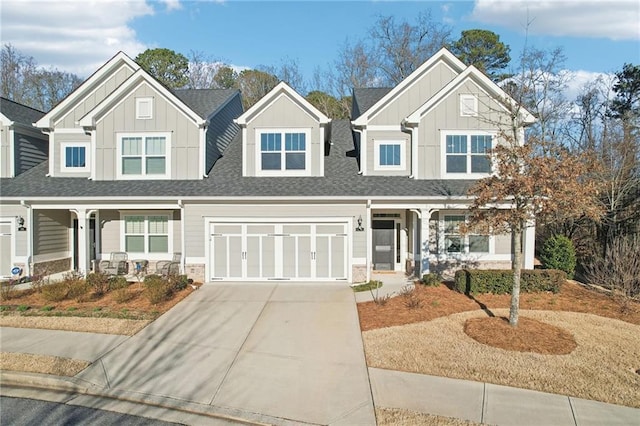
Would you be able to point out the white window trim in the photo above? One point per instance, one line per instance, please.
(282, 171)
(146, 255)
(143, 135)
(139, 102)
(376, 154)
(464, 101)
(63, 155)
(468, 134)
(465, 239)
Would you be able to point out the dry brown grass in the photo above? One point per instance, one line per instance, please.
(601, 368)
(125, 327)
(397, 417)
(44, 364)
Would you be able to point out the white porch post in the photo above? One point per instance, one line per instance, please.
(425, 215)
(529, 245)
(369, 241)
(83, 265)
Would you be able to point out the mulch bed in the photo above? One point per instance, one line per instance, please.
(529, 336)
(442, 301)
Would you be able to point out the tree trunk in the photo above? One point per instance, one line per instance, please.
(516, 267)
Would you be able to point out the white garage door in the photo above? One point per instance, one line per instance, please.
(278, 251)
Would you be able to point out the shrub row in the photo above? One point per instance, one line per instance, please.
(159, 289)
(500, 281)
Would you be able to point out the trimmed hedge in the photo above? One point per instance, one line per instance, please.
(500, 281)
(558, 253)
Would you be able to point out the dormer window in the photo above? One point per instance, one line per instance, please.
(283, 152)
(144, 108)
(75, 157)
(468, 106)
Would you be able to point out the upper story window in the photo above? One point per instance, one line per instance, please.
(74, 157)
(468, 106)
(144, 108)
(283, 152)
(144, 156)
(467, 154)
(389, 154)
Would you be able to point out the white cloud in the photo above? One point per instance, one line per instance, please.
(172, 4)
(613, 19)
(577, 81)
(73, 35)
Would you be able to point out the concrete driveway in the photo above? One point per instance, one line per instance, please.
(287, 351)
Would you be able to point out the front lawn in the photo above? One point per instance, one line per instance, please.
(428, 337)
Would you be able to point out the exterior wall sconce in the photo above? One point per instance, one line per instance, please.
(20, 222)
(360, 228)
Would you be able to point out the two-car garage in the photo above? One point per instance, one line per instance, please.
(264, 250)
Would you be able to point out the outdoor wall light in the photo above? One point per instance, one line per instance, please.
(360, 228)
(20, 222)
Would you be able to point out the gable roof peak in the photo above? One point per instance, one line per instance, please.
(281, 88)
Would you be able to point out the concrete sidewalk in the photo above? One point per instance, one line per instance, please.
(492, 404)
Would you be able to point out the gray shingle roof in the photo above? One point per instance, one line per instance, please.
(19, 113)
(204, 101)
(365, 98)
(341, 179)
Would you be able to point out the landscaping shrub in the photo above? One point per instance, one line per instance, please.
(157, 289)
(500, 281)
(77, 288)
(178, 282)
(431, 279)
(6, 290)
(99, 281)
(122, 295)
(55, 292)
(117, 282)
(558, 253)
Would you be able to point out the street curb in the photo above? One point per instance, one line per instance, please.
(22, 380)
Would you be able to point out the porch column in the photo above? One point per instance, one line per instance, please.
(529, 245)
(425, 215)
(83, 265)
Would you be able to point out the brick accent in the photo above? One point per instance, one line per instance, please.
(358, 273)
(52, 266)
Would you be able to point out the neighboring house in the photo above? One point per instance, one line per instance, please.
(292, 196)
(22, 146)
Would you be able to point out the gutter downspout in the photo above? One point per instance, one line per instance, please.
(29, 236)
(183, 245)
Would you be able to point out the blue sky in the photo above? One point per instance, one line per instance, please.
(597, 36)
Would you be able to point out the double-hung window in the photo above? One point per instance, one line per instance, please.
(456, 243)
(74, 157)
(283, 151)
(144, 156)
(146, 233)
(467, 154)
(389, 154)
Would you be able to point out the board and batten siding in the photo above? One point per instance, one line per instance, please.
(197, 235)
(93, 97)
(283, 113)
(372, 136)
(185, 135)
(4, 152)
(446, 117)
(422, 90)
(51, 232)
(221, 131)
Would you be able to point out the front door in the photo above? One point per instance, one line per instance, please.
(383, 245)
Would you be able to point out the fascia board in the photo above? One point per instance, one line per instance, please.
(281, 88)
(45, 121)
(442, 54)
(140, 76)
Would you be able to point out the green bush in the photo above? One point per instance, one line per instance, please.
(500, 281)
(55, 292)
(178, 282)
(431, 279)
(157, 289)
(558, 253)
(99, 281)
(117, 282)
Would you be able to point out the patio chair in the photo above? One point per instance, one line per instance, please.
(116, 265)
(177, 257)
(167, 267)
